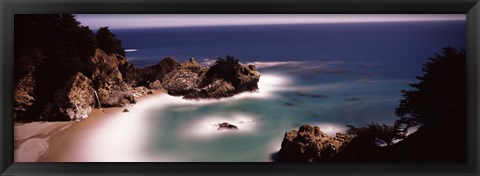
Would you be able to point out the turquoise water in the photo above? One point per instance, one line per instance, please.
(185, 130)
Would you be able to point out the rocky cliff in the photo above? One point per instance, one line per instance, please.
(109, 80)
(310, 144)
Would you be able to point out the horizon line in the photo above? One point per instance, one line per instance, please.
(139, 21)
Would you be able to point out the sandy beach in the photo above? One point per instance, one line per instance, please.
(59, 141)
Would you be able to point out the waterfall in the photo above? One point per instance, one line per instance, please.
(98, 100)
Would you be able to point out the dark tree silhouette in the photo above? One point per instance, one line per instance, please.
(373, 133)
(440, 96)
(53, 46)
(108, 42)
(224, 69)
(436, 104)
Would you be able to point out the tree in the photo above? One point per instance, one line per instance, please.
(63, 43)
(224, 68)
(373, 132)
(108, 42)
(439, 97)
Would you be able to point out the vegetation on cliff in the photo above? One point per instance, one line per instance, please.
(436, 105)
(108, 42)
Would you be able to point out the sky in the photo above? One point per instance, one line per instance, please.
(129, 21)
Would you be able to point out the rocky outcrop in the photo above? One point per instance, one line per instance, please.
(24, 95)
(152, 73)
(216, 90)
(226, 126)
(191, 65)
(194, 82)
(180, 82)
(74, 102)
(109, 80)
(112, 90)
(247, 78)
(310, 144)
(110, 76)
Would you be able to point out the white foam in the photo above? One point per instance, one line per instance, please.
(261, 65)
(131, 50)
(208, 62)
(331, 129)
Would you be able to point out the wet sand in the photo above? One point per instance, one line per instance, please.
(60, 141)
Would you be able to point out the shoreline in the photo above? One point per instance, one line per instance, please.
(56, 141)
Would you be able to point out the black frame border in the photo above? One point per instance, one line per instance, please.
(10, 7)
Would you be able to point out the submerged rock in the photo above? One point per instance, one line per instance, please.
(125, 110)
(310, 144)
(227, 126)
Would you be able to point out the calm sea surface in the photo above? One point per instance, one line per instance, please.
(328, 75)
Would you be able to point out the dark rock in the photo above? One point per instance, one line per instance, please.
(310, 144)
(304, 94)
(191, 81)
(227, 126)
(247, 78)
(125, 110)
(74, 102)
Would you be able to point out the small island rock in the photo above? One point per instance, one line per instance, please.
(227, 126)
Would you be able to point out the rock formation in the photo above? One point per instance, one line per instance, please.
(310, 144)
(152, 73)
(112, 90)
(192, 81)
(24, 95)
(227, 126)
(109, 80)
(74, 102)
(101, 74)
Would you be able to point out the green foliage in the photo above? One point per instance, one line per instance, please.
(440, 96)
(374, 132)
(108, 42)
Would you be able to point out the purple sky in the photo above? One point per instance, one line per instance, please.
(124, 21)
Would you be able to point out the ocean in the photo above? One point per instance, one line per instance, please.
(329, 75)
